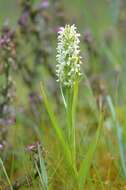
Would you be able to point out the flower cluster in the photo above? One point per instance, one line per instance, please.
(7, 65)
(68, 56)
(7, 83)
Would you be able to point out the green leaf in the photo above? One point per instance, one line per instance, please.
(86, 163)
(42, 171)
(58, 131)
(115, 11)
(6, 175)
(119, 134)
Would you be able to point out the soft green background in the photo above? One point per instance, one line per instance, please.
(94, 13)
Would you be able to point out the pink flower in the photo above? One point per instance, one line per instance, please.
(44, 4)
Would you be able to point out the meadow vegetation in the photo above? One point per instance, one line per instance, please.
(62, 95)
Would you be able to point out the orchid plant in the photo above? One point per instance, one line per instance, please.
(68, 72)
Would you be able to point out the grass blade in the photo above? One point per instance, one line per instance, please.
(5, 173)
(115, 11)
(42, 171)
(58, 130)
(86, 163)
(119, 134)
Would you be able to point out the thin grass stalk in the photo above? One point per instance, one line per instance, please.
(74, 103)
(86, 163)
(59, 134)
(42, 172)
(6, 175)
(119, 136)
(69, 115)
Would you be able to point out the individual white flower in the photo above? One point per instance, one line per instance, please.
(68, 56)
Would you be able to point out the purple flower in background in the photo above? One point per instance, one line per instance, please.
(1, 41)
(44, 4)
(1, 146)
(4, 40)
(24, 19)
(8, 121)
(33, 147)
(34, 97)
(88, 36)
(57, 29)
(6, 37)
(11, 121)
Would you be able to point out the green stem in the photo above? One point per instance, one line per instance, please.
(71, 108)
(63, 97)
(69, 115)
(74, 103)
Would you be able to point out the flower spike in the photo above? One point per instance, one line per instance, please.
(68, 56)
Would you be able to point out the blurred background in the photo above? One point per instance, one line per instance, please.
(28, 40)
